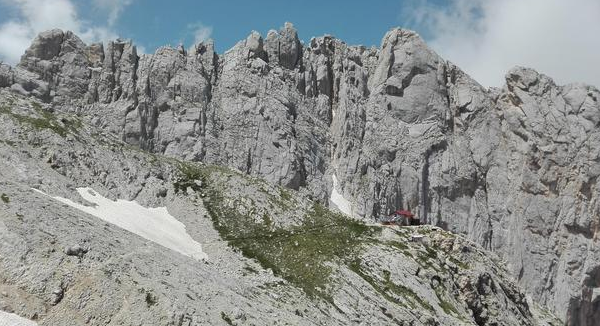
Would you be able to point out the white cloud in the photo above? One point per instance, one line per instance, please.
(141, 49)
(35, 16)
(114, 8)
(488, 37)
(200, 32)
(14, 39)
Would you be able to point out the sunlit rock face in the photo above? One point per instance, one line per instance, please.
(94, 230)
(514, 169)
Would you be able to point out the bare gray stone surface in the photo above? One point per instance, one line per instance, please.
(61, 266)
(513, 169)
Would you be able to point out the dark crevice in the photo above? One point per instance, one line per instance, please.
(249, 162)
(578, 229)
(521, 272)
(584, 310)
(586, 188)
(414, 71)
(424, 185)
(488, 236)
(393, 90)
(425, 189)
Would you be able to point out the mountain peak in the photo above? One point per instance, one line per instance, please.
(264, 138)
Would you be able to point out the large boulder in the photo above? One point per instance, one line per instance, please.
(59, 59)
(284, 47)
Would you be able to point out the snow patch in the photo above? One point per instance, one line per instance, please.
(8, 319)
(338, 199)
(154, 224)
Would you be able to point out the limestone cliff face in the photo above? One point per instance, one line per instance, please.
(514, 169)
(84, 241)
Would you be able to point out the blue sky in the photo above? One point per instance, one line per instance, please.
(484, 37)
(153, 23)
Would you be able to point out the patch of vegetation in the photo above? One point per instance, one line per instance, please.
(431, 253)
(5, 198)
(459, 263)
(285, 194)
(8, 142)
(284, 200)
(300, 254)
(390, 290)
(445, 305)
(448, 307)
(404, 249)
(426, 259)
(189, 177)
(73, 124)
(398, 245)
(423, 260)
(36, 105)
(250, 269)
(424, 231)
(226, 318)
(46, 120)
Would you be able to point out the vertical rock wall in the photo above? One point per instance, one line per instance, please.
(515, 169)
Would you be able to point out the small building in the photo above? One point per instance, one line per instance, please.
(407, 217)
(400, 217)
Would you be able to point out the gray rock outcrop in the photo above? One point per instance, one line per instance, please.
(514, 169)
(60, 265)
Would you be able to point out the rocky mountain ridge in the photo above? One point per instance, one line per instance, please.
(514, 169)
(271, 255)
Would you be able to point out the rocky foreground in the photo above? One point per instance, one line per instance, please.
(514, 170)
(272, 256)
